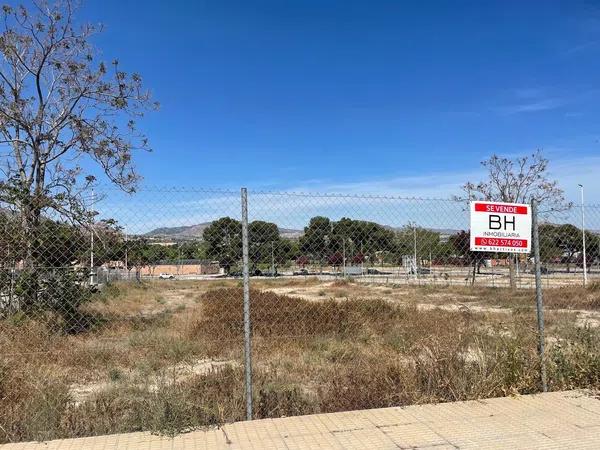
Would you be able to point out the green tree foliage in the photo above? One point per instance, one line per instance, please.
(263, 241)
(316, 238)
(461, 243)
(427, 242)
(57, 280)
(564, 243)
(324, 238)
(223, 240)
(138, 255)
(288, 250)
(189, 250)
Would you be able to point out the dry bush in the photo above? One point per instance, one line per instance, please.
(342, 282)
(574, 297)
(221, 315)
(47, 412)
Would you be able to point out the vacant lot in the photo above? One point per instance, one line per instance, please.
(166, 356)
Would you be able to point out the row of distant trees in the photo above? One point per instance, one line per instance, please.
(329, 242)
(559, 244)
(324, 241)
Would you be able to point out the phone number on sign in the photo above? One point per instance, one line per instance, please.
(493, 242)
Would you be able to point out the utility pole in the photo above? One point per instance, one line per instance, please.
(272, 260)
(179, 258)
(583, 233)
(344, 257)
(362, 260)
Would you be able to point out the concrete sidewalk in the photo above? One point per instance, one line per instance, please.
(555, 420)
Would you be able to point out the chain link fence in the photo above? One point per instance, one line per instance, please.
(133, 317)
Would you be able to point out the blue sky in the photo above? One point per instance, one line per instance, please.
(378, 97)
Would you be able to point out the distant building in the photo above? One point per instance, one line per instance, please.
(183, 267)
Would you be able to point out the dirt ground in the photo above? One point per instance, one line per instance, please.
(450, 298)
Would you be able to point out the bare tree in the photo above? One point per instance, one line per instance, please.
(519, 180)
(58, 108)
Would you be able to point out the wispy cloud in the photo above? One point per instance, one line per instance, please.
(539, 99)
(581, 47)
(434, 185)
(532, 106)
(529, 92)
(569, 171)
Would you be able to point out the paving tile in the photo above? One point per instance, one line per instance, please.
(388, 416)
(313, 442)
(414, 435)
(372, 438)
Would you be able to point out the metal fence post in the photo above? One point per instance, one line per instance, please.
(538, 293)
(247, 329)
(583, 238)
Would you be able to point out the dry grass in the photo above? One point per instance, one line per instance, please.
(141, 364)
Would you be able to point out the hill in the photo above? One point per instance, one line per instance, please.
(196, 231)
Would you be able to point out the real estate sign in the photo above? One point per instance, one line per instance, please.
(500, 227)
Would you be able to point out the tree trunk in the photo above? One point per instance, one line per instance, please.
(511, 272)
(30, 221)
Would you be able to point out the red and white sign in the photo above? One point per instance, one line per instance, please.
(500, 227)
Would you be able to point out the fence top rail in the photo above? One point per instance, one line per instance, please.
(352, 195)
(106, 187)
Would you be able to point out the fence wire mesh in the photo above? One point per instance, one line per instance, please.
(131, 317)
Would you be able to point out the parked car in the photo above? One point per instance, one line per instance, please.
(271, 274)
(166, 276)
(377, 272)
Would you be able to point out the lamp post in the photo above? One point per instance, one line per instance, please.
(583, 238)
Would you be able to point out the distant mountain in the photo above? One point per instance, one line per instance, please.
(196, 231)
(442, 231)
(445, 231)
(183, 232)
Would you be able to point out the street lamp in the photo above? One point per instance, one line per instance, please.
(583, 233)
